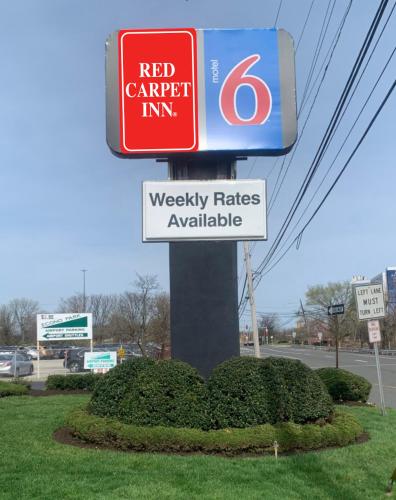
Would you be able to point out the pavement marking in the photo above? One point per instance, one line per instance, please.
(387, 386)
(361, 361)
(327, 356)
(284, 356)
(277, 350)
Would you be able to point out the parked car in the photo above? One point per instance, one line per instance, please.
(12, 349)
(15, 364)
(32, 352)
(74, 360)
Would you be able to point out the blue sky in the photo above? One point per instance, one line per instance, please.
(67, 203)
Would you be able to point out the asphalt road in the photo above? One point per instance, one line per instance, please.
(361, 364)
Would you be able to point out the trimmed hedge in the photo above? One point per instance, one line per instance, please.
(10, 389)
(144, 392)
(85, 382)
(114, 386)
(344, 385)
(248, 391)
(342, 430)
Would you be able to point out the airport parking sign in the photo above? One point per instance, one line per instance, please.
(72, 326)
(172, 91)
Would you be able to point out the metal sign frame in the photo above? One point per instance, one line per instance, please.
(256, 140)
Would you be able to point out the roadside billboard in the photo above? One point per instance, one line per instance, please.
(172, 91)
(72, 326)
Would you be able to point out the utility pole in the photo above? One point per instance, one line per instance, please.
(251, 299)
(84, 298)
(337, 329)
(305, 318)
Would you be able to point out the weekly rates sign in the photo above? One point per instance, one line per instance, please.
(172, 91)
(204, 210)
(73, 326)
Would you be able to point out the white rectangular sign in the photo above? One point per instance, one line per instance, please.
(73, 326)
(204, 210)
(100, 360)
(374, 331)
(370, 301)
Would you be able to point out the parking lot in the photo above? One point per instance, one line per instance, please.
(47, 367)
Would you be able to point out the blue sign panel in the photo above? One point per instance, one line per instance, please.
(391, 285)
(242, 82)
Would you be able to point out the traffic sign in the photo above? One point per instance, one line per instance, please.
(188, 91)
(370, 301)
(335, 309)
(374, 331)
(121, 353)
(73, 326)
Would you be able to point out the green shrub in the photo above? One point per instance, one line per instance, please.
(85, 382)
(237, 397)
(144, 392)
(295, 392)
(342, 430)
(114, 386)
(344, 385)
(11, 389)
(248, 391)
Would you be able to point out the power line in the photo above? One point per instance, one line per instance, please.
(340, 149)
(301, 134)
(338, 176)
(323, 145)
(325, 139)
(277, 14)
(305, 24)
(319, 45)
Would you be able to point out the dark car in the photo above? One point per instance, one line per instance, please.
(74, 360)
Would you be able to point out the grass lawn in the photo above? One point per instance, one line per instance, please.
(32, 465)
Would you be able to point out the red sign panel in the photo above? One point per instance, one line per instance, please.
(158, 90)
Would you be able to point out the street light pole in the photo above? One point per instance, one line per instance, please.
(84, 271)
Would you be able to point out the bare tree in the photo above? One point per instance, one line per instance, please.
(102, 307)
(7, 326)
(159, 330)
(268, 325)
(126, 320)
(320, 297)
(74, 304)
(145, 286)
(24, 316)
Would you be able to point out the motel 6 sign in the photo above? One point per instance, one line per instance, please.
(172, 91)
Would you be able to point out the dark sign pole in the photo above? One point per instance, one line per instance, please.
(203, 284)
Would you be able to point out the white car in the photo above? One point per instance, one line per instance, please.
(14, 365)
